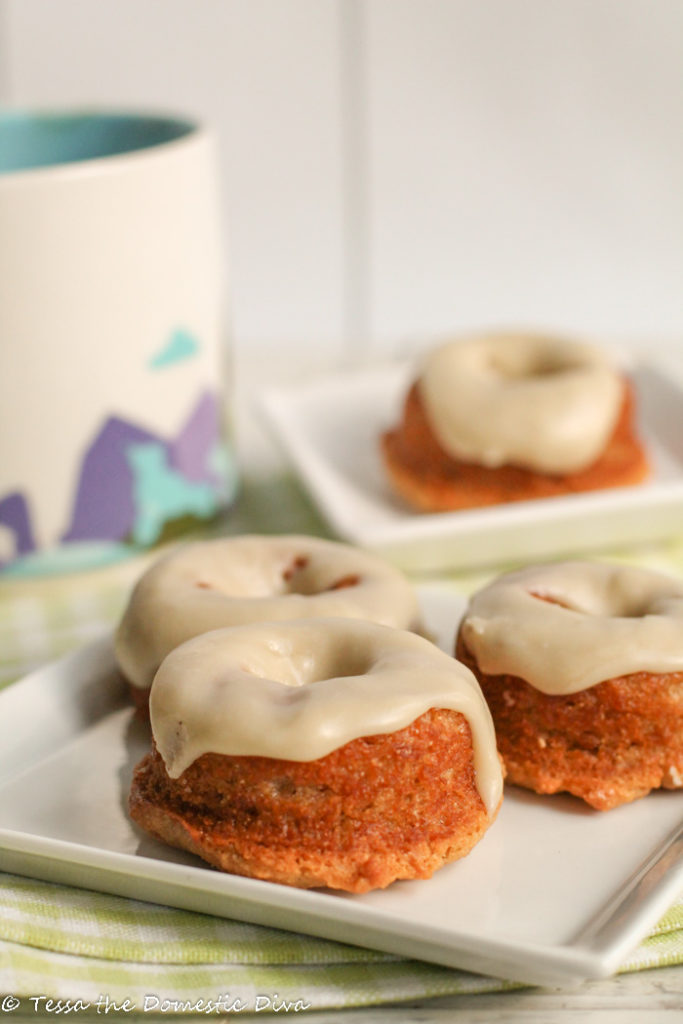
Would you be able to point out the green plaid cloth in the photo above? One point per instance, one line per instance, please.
(64, 943)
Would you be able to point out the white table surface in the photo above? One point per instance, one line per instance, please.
(646, 997)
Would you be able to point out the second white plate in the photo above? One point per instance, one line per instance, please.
(330, 428)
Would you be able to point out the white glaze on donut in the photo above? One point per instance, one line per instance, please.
(570, 625)
(544, 404)
(239, 580)
(299, 690)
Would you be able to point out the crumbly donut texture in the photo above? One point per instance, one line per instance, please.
(231, 581)
(380, 808)
(608, 745)
(581, 664)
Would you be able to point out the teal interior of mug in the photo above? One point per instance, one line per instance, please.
(29, 139)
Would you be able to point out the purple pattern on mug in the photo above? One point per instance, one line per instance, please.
(105, 507)
(191, 450)
(15, 516)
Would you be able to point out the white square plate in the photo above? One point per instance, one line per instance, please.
(330, 428)
(553, 892)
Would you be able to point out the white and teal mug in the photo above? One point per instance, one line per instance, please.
(113, 337)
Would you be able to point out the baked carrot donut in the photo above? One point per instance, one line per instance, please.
(509, 418)
(238, 580)
(582, 667)
(321, 752)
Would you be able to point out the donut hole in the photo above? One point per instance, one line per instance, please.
(522, 358)
(566, 604)
(569, 606)
(550, 599)
(625, 610)
(298, 580)
(351, 580)
(343, 663)
(313, 666)
(542, 365)
(299, 563)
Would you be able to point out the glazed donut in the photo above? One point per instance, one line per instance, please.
(582, 666)
(320, 752)
(233, 581)
(509, 417)
(542, 403)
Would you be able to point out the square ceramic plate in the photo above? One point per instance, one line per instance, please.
(329, 428)
(553, 892)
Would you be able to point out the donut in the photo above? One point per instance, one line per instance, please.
(318, 752)
(508, 417)
(582, 667)
(238, 580)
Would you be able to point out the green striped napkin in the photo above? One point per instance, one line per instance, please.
(72, 944)
(69, 943)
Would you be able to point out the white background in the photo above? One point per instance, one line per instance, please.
(399, 169)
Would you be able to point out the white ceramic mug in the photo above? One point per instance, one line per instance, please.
(112, 336)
